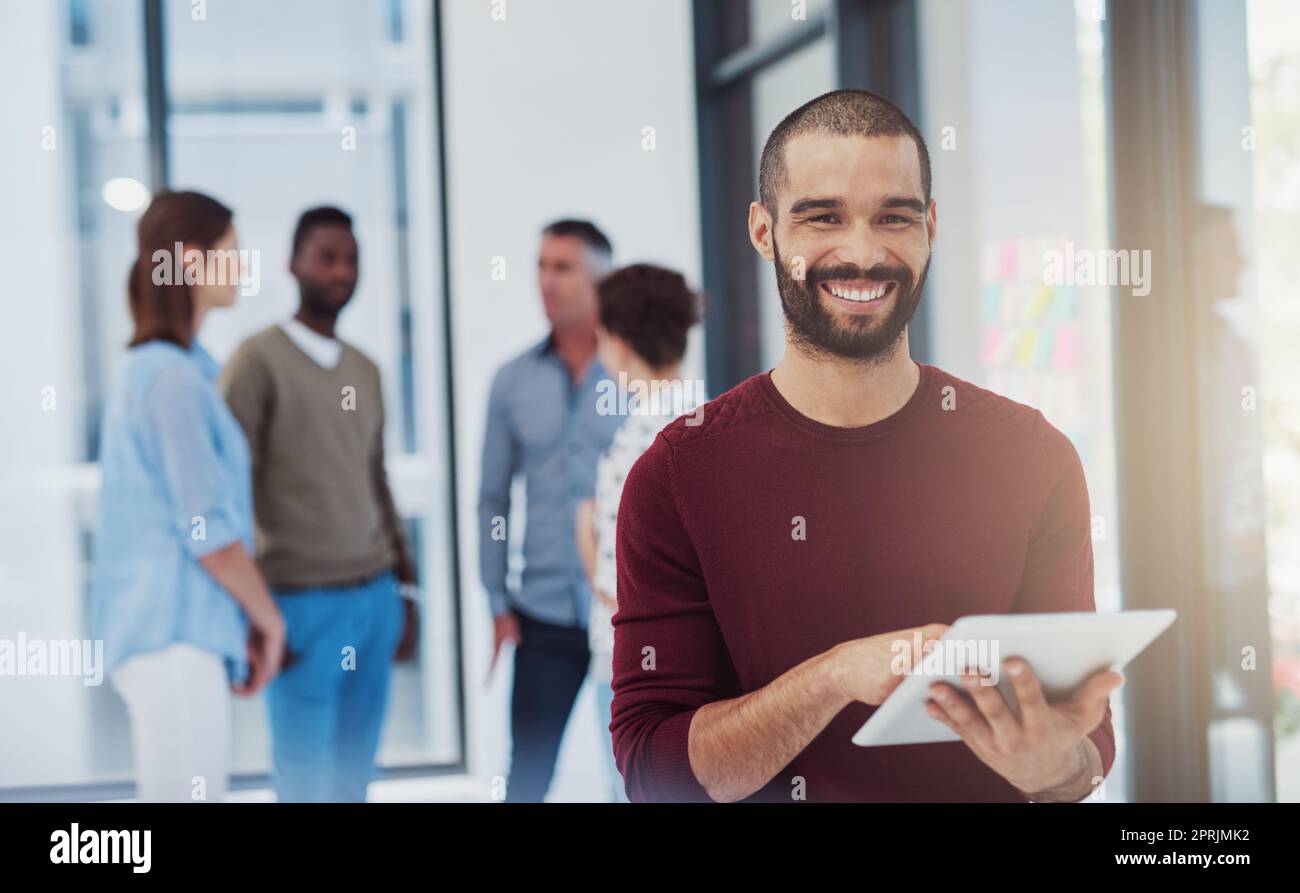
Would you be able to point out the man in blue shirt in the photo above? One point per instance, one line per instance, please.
(543, 423)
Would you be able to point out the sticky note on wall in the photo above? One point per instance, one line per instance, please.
(1038, 304)
(1026, 347)
(992, 303)
(991, 349)
(1065, 358)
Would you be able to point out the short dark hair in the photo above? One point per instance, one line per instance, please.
(586, 231)
(326, 215)
(840, 112)
(164, 311)
(651, 308)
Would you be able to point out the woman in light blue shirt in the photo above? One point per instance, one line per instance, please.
(183, 612)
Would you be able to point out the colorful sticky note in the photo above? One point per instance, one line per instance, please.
(1039, 303)
(1007, 268)
(1043, 352)
(1026, 346)
(992, 303)
(991, 348)
(1065, 303)
(1066, 356)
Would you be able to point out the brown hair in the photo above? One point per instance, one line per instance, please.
(166, 311)
(651, 308)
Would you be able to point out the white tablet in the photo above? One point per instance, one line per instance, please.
(1062, 649)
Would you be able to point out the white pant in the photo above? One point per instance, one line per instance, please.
(179, 703)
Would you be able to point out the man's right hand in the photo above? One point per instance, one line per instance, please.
(736, 746)
(505, 628)
(866, 669)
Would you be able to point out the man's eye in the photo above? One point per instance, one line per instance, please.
(823, 218)
(896, 218)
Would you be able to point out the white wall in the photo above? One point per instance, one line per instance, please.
(544, 115)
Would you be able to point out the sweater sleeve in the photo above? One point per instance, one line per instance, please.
(669, 654)
(390, 517)
(1059, 566)
(500, 461)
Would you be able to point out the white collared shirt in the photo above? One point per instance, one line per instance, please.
(325, 351)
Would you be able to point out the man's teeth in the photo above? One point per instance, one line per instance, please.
(854, 294)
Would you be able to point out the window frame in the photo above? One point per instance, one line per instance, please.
(160, 169)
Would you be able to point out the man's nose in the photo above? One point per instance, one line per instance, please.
(860, 250)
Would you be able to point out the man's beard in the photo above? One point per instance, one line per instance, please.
(318, 300)
(865, 339)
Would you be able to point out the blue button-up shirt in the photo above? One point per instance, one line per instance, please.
(541, 425)
(176, 486)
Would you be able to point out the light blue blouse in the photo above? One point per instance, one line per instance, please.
(176, 486)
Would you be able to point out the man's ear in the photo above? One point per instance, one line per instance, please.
(760, 230)
(932, 220)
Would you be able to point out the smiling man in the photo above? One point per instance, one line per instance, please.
(770, 557)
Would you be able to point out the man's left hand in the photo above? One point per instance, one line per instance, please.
(410, 631)
(1044, 752)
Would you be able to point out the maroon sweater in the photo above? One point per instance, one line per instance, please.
(962, 502)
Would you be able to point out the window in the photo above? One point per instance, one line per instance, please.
(275, 108)
(777, 91)
(1013, 181)
(1022, 187)
(1275, 81)
(272, 108)
(80, 129)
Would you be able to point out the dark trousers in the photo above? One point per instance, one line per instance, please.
(550, 664)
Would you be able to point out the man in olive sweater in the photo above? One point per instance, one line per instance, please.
(329, 538)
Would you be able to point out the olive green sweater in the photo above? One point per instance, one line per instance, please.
(324, 512)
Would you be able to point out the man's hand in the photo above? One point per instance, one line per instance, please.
(869, 669)
(738, 745)
(403, 570)
(505, 628)
(410, 630)
(1044, 753)
(605, 598)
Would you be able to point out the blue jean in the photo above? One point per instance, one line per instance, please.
(327, 706)
(604, 702)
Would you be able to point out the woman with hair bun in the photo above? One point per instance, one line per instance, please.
(646, 312)
(178, 602)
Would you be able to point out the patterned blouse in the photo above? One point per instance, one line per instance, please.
(630, 441)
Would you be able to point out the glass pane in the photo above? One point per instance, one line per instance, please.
(1022, 193)
(1274, 150)
(74, 145)
(1223, 313)
(777, 91)
(769, 17)
(278, 107)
